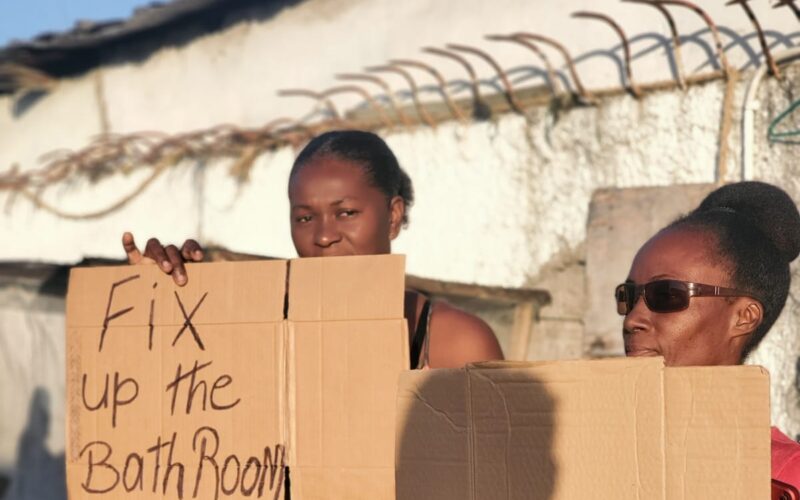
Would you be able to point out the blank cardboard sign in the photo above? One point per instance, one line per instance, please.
(613, 429)
(207, 391)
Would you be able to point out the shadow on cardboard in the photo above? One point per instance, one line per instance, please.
(491, 433)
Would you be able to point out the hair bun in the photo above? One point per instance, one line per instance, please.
(768, 207)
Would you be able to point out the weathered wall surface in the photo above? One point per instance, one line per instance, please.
(502, 202)
(496, 201)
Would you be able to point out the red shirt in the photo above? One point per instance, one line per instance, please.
(785, 459)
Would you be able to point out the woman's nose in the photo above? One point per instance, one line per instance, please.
(326, 234)
(637, 318)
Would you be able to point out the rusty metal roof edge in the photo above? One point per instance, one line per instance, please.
(93, 33)
(89, 44)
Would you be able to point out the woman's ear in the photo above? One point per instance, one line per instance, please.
(397, 211)
(749, 315)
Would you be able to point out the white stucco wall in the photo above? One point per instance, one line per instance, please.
(495, 200)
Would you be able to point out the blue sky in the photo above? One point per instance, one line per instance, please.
(24, 19)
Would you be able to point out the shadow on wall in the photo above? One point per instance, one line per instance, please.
(644, 44)
(648, 44)
(38, 475)
(486, 430)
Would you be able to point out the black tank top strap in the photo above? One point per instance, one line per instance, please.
(420, 334)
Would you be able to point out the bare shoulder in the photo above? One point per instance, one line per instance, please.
(458, 338)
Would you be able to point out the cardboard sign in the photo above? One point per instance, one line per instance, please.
(213, 391)
(613, 429)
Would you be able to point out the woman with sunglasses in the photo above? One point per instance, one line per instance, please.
(706, 289)
(348, 195)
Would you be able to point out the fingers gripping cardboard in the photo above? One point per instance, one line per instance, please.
(207, 391)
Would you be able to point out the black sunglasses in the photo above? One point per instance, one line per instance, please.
(665, 296)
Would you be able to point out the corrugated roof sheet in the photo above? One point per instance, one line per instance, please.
(81, 48)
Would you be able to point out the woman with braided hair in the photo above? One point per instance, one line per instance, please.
(706, 289)
(348, 195)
